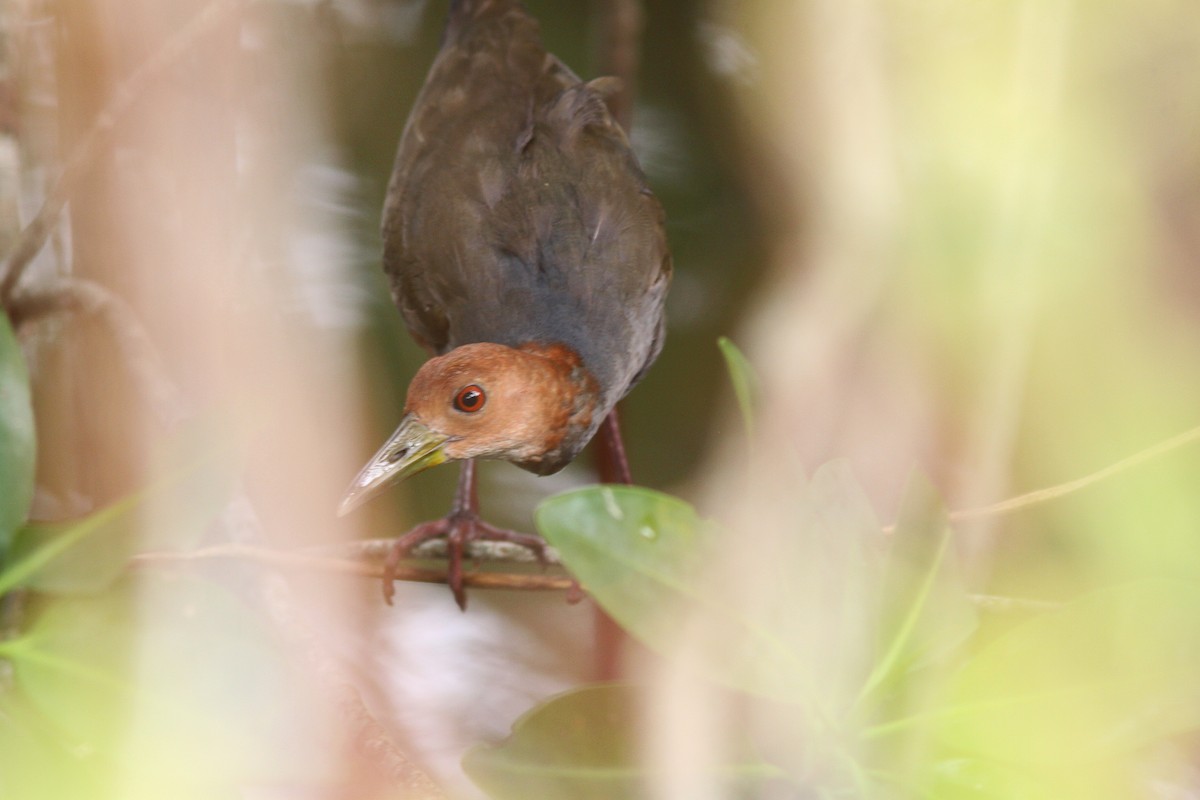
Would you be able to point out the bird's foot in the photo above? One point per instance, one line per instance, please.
(459, 528)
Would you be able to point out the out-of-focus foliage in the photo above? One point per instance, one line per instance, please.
(642, 555)
(579, 745)
(1106, 675)
(86, 555)
(586, 745)
(128, 690)
(745, 382)
(17, 442)
(984, 226)
(78, 556)
(926, 612)
(1072, 702)
(1063, 704)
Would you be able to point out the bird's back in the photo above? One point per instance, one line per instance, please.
(516, 211)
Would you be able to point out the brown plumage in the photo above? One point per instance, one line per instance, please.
(525, 250)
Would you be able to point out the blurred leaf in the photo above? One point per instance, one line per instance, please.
(579, 745)
(641, 555)
(977, 779)
(794, 632)
(78, 556)
(744, 379)
(17, 441)
(820, 581)
(926, 610)
(585, 745)
(1105, 675)
(35, 762)
(88, 554)
(171, 680)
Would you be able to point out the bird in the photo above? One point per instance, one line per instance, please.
(527, 254)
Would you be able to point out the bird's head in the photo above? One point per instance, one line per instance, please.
(527, 405)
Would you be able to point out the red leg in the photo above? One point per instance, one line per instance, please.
(611, 462)
(460, 526)
(613, 467)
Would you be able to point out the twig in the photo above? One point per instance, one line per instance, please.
(1055, 492)
(360, 568)
(368, 554)
(33, 238)
(1023, 501)
(376, 551)
(137, 351)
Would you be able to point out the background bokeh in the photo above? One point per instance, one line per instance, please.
(956, 238)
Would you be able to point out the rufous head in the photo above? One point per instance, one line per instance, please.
(482, 400)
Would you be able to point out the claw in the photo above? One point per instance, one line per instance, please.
(459, 528)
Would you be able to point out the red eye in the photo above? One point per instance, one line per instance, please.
(469, 399)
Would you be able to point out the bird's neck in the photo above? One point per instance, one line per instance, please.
(578, 406)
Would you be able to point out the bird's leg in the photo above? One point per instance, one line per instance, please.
(613, 467)
(611, 462)
(460, 526)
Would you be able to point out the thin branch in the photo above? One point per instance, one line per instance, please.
(376, 551)
(1062, 489)
(368, 554)
(1039, 496)
(361, 568)
(138, 353)
(33, 238)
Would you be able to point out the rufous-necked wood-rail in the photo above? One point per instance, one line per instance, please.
(525, 250)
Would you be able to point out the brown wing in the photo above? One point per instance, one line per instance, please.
(517, 212)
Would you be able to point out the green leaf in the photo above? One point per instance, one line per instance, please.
(88, 554)
(784, 619)
(636, 551)
(744, 379)
(641, 555)
(83, 555)
(585, 745)
(926, 610)
(1106, 674)
(17, 440)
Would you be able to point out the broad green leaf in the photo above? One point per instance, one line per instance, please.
(17, 440)
(585, 745)
(925, 610)
(783, 617)
(642, 556)
(744, 379)
(1105, 675)
(636, 551)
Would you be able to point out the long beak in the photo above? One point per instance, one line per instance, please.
(411, 449)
